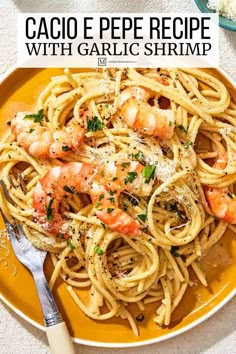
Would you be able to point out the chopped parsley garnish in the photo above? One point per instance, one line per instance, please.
(94, 124)
(148, 172)
(142, 217)
(170, 124)
(174, 250)
(61, 235)
(68, 189)
(31, 130)
(102, 173)
(99, 251)
(130, 177)
(124, 165)
(110, 210)
(230, 195)
(139, 156)
(66, 148)
(181, 127)
(111, 192)
(188, 144)
(97, 205)
(49, 209)
(101, 197)
(114, 178)
(69, 243)
(38, 117)
(112, 200)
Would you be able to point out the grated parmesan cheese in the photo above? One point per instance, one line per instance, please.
(226, 8)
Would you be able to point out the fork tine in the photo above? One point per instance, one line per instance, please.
(20, 230)
(9, 226)
(4, 188)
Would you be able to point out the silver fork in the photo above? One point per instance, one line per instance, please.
(33, 258)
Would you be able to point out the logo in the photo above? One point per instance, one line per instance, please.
(102, 61)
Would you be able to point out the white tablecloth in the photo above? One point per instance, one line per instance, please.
(218, 334)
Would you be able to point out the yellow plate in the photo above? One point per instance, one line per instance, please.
(19, 92)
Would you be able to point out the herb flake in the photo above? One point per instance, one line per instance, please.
(110, 210)
(181, 127)
(125, 164)
(70, 244)
(66, 148)
(68, 189)
(38, 117)
(111, 192)
(94, 124)
(142, 217)
(148, 172)
(49, 209)
(139, 156)
(188, 144)
(130, 177)
(174, 250)
(99, 251)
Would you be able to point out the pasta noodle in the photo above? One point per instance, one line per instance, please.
(178, 226)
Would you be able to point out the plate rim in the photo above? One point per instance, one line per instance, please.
(167, 336)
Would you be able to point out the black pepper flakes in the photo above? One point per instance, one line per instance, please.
(140, 317)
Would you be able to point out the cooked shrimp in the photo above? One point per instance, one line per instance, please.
(59, 182)
(106, 190)
(42, 142)
(103, 183)
(221, 202)
(140, 115)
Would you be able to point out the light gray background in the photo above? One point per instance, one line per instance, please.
(218, 334)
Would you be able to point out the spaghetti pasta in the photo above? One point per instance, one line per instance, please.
(177, 225)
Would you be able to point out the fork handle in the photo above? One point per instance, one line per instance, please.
(56, 330)
(59, 339)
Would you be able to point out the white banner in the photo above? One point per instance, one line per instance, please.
(117, 40)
